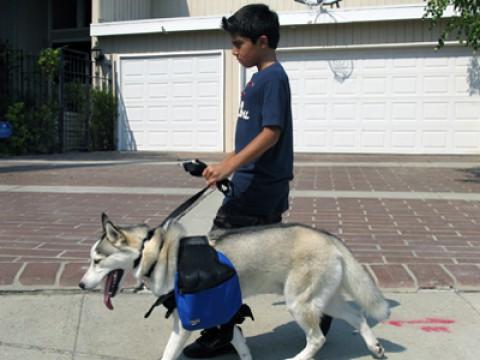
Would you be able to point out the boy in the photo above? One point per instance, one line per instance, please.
(262, 163)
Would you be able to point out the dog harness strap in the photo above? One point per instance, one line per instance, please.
(147, 238)
(167, 300)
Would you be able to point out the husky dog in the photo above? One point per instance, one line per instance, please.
(312, 269)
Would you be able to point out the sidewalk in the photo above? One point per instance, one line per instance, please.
(61, 326)
(413, 222)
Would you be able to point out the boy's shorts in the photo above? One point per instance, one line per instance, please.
(230, 217)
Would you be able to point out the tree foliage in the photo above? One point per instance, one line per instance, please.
(463, 27)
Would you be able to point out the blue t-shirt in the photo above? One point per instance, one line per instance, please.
(261, 187)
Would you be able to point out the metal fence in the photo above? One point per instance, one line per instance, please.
(22, 80)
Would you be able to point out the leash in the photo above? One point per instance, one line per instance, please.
(195, 168)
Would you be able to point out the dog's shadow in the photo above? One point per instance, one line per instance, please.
(287, 340)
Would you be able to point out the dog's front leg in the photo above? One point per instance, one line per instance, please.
(177, 340)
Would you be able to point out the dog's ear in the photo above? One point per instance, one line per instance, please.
(105, 219)
(113, 234)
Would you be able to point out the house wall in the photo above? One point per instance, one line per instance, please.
(375, 34)
(17, 20)
(176, 8)
(120, 10)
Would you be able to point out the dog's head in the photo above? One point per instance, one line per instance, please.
(113, 255)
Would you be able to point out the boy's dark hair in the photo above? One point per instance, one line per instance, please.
(253, 21)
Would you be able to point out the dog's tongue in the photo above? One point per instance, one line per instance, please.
(107, 298)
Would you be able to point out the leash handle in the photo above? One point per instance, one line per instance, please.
(196, 168)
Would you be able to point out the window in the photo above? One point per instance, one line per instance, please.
(71, 14)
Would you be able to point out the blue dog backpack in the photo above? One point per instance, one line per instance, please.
(207, 288)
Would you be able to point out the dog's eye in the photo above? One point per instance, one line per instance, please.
(96, 261)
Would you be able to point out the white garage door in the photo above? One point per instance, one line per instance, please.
(171, 103)
(385, 100)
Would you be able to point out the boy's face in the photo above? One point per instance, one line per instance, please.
(247, 53)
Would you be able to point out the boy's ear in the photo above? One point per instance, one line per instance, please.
(262, 41)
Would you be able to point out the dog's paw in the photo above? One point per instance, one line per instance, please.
(378, 351)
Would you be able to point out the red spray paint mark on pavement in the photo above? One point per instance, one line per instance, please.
(430, 321)
(435, 329)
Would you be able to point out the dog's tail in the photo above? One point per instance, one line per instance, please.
(361, 286)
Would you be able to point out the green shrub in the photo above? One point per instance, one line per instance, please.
(49, 61)
(34, 129)
(102, 120)
(18, 142)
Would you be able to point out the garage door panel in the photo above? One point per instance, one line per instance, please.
(404, 85)
(157, 116)
(435, 139)
(374, 140)
(182, 139)
(315, 139)
(373, 64)
(466, 110)
(207, 113)
(182, 114)
(405, 64)
(314, 87)
(344, 139)
(134, 68)
(438, 63)
(436, 111)
(404, 139)
(466, 139)
(349, 88)
(135, 114)
(462, 86)
(158, 70)
(314, 113)
(133, 91)
(206, 66)
(374, 85)
(436, 85)
(158, 90)
(345, 112)
(207, 89)
(373, 111)
(404, 111)
(183, 90)
(157, 138)
(182, 66)
(206, 139)
(171, 101)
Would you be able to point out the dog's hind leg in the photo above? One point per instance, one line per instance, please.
(339, 308)
(176, 342)
(240, 344)
(308, 321)
(307, 306)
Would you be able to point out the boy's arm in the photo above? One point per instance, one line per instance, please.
(267, 138)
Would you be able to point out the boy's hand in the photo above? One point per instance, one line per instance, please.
(215, 173)
(267, 138)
